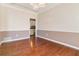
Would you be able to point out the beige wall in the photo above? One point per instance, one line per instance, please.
(63, 17)
(13, 18)
(60, 24)
(3, 21)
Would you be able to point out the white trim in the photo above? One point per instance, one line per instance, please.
(13, 30)
(59, 31)
(15, 40)
(18, 8)
(65, 44)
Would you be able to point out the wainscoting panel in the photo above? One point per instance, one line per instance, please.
(6, 36)
(69, 38)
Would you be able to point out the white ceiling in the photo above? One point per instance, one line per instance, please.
(42, 9)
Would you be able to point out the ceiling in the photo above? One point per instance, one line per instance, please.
(42, 9)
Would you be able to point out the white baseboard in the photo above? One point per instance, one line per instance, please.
(14, 40)
(65, 44)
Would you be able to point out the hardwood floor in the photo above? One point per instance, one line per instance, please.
(36, 47)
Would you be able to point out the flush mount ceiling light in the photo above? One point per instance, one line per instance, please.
(36, 6)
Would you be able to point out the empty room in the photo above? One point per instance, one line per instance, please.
(39, 29)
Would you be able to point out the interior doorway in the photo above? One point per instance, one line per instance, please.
(32, 27)
(32, 33)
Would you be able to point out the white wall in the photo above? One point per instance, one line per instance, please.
(3, 21)
(60, 24)
(63, 17)
(15, 18)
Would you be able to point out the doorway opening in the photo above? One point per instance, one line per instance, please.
(32, 33)
(32, 27)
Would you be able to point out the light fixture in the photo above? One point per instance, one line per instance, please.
(36, 6)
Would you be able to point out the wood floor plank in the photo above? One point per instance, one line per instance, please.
(36, 47)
